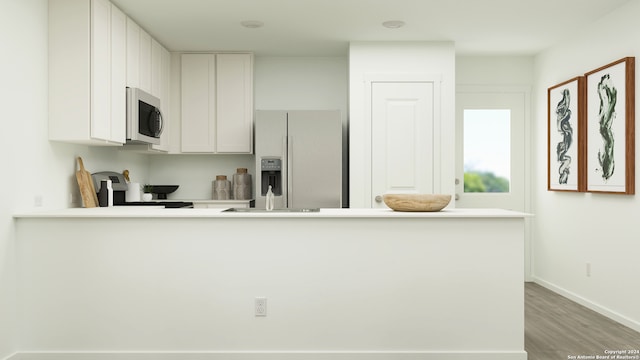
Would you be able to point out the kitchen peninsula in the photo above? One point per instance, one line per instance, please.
(339, 284)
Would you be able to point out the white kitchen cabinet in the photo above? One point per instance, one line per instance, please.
(217, 103)
(145, 61)
(133, 54)
(156, 68)
(118, 75)
(198, 103)
(139, 71)
(87, 72)
(234, 100)
(164, 83)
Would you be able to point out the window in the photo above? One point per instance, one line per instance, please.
(487, 150)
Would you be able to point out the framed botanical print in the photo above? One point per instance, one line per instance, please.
(565, 153)
(611, 128)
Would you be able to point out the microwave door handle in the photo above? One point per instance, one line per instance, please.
(160, 122)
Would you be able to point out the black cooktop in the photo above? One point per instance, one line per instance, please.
(166, 204)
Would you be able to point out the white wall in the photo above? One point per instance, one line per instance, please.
(34, 170)
(280, 83)
(573, 229)
(494, 70)
(301, 83)
(431, 58)
(22, 72)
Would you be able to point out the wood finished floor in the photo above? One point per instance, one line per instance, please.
(556, 327)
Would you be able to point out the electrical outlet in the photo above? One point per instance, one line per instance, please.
(37, 200)
(260, 306)
(588, 269)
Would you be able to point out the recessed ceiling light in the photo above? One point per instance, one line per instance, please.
(252, 24)
(393, 24)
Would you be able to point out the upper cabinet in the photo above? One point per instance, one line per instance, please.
(87, 72)
(145, 61)
(133, 54)
(217, 103)
(161, 77)
(155, 67)
(96, 52)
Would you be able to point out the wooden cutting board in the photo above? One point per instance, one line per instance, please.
(87, 190)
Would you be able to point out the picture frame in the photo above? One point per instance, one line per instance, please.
(610, 127)
(566, 111)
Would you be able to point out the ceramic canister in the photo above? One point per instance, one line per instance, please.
(242, 185)
(221, 188)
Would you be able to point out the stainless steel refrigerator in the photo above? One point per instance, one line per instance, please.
(299, 154)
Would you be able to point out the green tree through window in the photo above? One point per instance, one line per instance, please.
(484, 182)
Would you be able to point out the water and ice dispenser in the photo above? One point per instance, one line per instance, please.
(271, 174)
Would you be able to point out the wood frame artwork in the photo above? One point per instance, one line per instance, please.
(610, 128)
(566, 111)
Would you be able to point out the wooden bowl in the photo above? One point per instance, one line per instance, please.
(416, 202)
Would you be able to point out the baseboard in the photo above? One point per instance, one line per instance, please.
(635, 325)
(273, 355)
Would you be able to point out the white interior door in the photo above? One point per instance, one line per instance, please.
(491, 159)
(402, 138)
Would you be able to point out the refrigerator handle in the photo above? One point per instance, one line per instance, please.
(289, 199)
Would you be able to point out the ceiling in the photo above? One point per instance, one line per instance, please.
(325, 27)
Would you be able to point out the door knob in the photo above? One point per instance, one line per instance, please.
(378, 199)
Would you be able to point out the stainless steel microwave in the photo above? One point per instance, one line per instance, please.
(144, 119)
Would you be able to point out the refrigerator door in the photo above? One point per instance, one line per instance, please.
(314, 176)
(270, 144)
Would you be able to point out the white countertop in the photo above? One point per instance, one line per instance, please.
(160, 212)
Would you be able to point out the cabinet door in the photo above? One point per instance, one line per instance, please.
(118, 75)
(402, 116)
(165, 84)
(234, 103)
(133, 54)
(156, 68)
(145, 62)
(86, 72)
(198, 103)
(100, 127)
